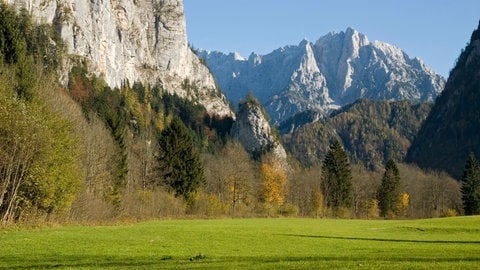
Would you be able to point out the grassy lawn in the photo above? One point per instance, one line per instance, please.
(450, 243)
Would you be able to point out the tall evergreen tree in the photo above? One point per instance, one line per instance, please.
(179, 162)
(471, 186)
(389, 190)
(337, 178)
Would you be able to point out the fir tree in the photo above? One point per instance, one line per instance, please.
(179, 162)
(471, 187)
(389, 191)
(337, 178)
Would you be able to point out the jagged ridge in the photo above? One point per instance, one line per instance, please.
(336, 70)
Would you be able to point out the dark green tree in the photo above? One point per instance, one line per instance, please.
(471, 186)
(12, 42)
(180, 164)
(388, 193)
(13, 49)
(337, 178)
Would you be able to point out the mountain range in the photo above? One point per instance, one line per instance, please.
(336, 70)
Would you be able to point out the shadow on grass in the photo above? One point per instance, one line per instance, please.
(383, 239)
(168, 262)
(88, 261)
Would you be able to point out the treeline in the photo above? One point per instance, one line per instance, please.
(90, 153)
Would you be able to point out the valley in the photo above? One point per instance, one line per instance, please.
(109, 113)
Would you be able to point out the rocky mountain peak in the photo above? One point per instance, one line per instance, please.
(254, 59)
(336, 70)
(307, 62)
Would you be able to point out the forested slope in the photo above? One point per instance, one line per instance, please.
(452, 130)
(371, 131)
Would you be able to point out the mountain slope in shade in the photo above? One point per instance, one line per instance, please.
(452, 130)
(336, 70)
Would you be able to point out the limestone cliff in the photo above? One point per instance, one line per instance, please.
(134, 40)
(253, 130)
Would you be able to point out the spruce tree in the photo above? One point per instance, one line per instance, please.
(389, 190)
(471, 186)
(180, 164)
(337, 178)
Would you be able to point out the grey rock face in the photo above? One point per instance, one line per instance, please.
(252, 129)
(134, 40)
(336, 70)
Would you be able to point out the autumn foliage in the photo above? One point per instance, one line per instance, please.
(274, 183)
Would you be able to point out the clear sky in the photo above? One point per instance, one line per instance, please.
(433, 30)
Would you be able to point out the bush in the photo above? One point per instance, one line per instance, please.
(151, 204)
(209, 205)
(288, 210)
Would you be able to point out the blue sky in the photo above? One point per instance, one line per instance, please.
(433, 30)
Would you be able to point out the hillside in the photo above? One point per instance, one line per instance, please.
(371, 132)
(452, 130)
(334, 71)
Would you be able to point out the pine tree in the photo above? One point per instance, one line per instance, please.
(389, 197)
(337, 178)
(471, 186)
(179, 162)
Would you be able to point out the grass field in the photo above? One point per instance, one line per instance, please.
(450, 243)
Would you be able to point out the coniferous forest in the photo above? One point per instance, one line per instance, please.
(88, 153)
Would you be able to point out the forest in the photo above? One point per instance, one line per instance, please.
(87, 153)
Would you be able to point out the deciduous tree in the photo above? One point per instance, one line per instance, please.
(274, 183)
(230, 176)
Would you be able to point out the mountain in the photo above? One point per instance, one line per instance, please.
(336, 70)
(371, 132)
(132, 41)
(452, 130)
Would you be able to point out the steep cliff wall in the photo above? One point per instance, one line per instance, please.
(134, 40)
(253, 130)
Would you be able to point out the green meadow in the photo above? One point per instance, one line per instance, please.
(449, 243)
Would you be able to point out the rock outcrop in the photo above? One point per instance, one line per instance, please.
(253, 131)
(132, 40)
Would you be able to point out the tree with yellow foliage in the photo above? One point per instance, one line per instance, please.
(403, 204)
(274, 183)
